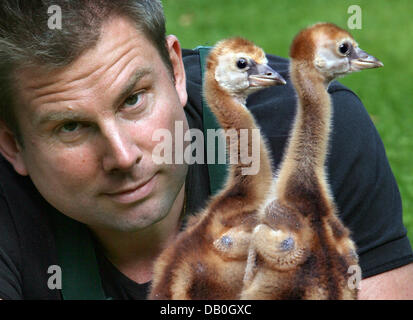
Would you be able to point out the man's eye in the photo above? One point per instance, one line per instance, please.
(134, 99)
(72, 131)
(70, 127)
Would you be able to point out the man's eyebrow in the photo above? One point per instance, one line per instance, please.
(58, 116)
(131, 83)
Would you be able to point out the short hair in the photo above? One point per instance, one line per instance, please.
(26, 39)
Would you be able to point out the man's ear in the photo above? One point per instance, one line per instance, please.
(11, 149)
(175, 54)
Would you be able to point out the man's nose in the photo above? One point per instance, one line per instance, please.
(122, 152)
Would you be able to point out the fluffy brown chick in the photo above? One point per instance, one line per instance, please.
(301, 249)
(207, 260)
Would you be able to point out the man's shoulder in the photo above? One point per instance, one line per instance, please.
(26, 240)
(22, 202)
(18, 191)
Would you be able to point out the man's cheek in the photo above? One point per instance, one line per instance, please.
(72, 174)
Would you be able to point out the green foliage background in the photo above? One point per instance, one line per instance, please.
(387, 33)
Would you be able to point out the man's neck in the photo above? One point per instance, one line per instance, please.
(134, 253)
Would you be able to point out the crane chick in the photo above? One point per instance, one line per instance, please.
(207, 260)
(301, 249)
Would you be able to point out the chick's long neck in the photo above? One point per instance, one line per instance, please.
(229, 109)
(304, 160)
(231, 114)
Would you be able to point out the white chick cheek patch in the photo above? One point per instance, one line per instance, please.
(229, 76)
(328, 62)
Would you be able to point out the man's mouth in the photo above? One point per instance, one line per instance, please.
(134, 193)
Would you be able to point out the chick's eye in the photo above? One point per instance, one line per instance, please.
(242, 63)
(344, 48)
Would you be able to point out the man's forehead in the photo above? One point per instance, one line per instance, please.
(117, 36)
(119, 47)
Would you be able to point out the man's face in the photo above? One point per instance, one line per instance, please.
(87, 130)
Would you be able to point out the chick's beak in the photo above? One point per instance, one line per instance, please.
(262, 75)
(360, 60)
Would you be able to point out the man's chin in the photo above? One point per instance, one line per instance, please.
(134, 218)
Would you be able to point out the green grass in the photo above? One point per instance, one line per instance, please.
(387, 33)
